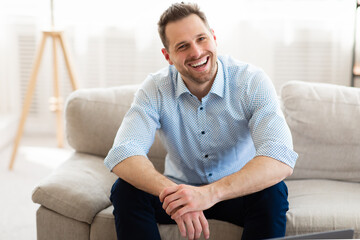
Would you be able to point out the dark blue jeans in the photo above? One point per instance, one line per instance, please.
(262, 214)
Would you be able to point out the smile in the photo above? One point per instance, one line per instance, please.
(199, 64)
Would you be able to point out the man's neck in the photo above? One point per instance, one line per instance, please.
(200, 90)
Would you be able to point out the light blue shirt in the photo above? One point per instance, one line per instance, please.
(239, 118)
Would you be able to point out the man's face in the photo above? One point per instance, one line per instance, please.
(192, 50)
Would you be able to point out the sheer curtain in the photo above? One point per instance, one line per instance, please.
(114, 42)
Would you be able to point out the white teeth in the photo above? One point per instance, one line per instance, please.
(199, 63)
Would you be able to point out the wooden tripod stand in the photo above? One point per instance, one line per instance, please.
(55, 36)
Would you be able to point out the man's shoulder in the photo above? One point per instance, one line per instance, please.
(234, 66)
(159, 84)
(241, 74)
(162, 78)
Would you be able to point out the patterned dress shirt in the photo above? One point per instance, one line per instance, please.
(206, 140)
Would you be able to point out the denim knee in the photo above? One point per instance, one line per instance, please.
(124, 194)
(133, 211)
(266, 210)
(274, 200)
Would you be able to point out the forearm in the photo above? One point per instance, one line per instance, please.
(141, 173)
(258, 174)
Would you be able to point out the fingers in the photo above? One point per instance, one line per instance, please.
(181, 226)
(175, 199)
(197, 228)
(171, 194)
(192, 224)
(190, 227)
(179, 197)
(181, 210)
(204, 225)
(173, 202)
(168, 191)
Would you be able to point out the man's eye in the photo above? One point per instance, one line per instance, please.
(182, 47)
(202, 38)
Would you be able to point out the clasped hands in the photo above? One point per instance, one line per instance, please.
(185, 204)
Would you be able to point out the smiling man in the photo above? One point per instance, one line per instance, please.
(191, 48)
(228, 145)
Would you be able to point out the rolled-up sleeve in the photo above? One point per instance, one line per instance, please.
(269, 130)
(137, 131)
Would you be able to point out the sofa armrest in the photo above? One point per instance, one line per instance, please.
(78, 189)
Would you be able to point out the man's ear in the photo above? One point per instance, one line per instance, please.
(213, 34)
(166, 55)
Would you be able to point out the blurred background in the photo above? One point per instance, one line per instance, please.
(115, 42)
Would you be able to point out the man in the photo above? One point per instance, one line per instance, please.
(228, 145)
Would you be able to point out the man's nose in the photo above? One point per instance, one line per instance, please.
(195, 51)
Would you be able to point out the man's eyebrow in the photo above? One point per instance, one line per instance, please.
(200, 34)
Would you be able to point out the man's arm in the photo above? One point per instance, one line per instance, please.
(141, 173)
(258, 174)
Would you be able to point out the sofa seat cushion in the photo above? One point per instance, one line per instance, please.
(78, 189)
(323, 205)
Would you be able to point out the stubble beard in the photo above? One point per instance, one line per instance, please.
(205, 77)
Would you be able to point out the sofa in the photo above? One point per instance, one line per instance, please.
(324, 190)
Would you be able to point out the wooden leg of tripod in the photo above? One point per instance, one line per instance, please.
(28, 99)
(58, 104)
(67, 61)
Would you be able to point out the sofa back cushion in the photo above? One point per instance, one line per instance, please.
(93, 117)
(324, 120)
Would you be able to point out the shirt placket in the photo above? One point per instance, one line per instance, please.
(204, 140)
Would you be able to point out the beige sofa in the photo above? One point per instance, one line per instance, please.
(324, 191)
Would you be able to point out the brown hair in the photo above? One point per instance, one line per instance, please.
(175, 12)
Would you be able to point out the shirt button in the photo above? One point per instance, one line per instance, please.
(210, 174)
(206, 156)
(201, 108)
(203, 132)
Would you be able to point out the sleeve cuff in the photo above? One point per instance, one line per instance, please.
(119, 153)
(279, 152)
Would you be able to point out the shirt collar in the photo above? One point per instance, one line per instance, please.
(180, 86)
(219, 82)
(217, 87)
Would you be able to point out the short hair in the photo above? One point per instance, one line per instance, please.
(175, 12)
